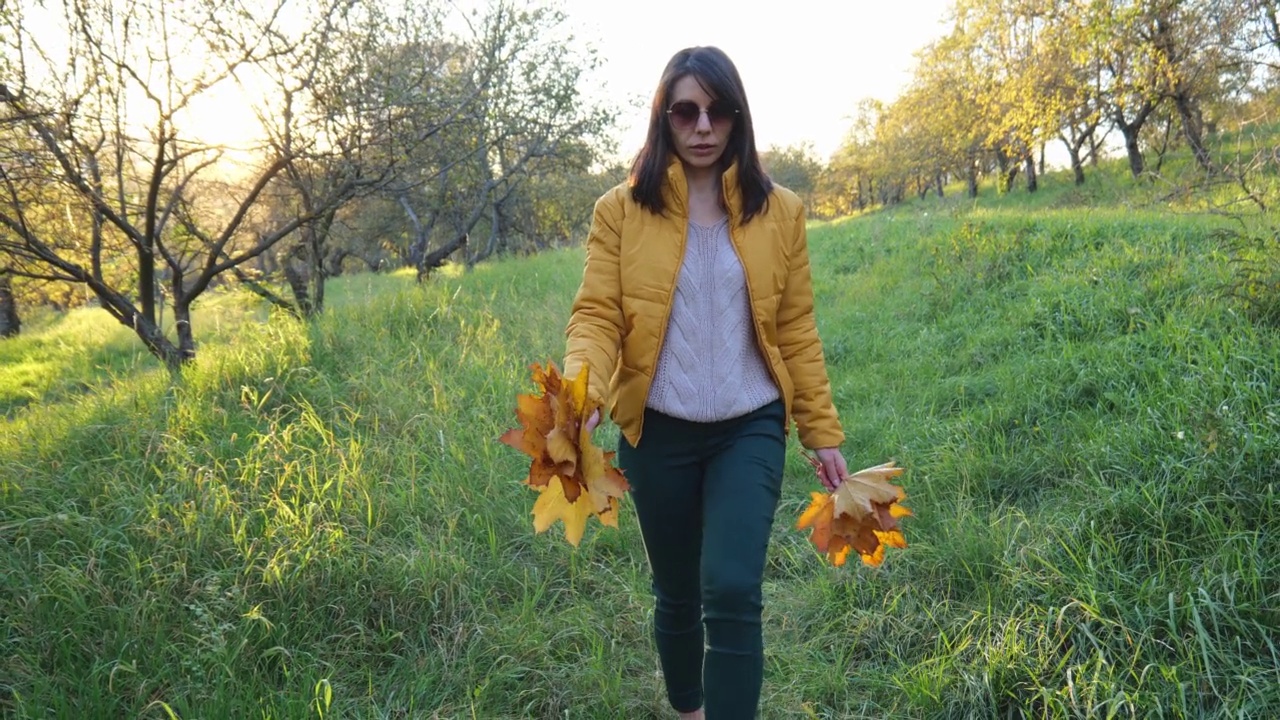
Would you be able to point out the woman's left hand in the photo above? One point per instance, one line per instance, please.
(832, 469)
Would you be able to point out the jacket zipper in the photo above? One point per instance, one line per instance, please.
(755, 319)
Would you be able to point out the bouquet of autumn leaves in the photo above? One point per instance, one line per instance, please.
(572, 475)
(575, 480)
(861, 514)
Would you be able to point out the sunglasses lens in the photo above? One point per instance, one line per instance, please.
(720, 113)
(685, 113)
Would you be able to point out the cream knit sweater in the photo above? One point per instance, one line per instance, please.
(710, 367)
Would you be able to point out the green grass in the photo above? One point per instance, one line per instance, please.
(317, 521)
(58, 357)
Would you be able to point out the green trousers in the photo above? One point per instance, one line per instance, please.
(705, 496)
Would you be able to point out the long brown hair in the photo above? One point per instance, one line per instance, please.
(716, 73)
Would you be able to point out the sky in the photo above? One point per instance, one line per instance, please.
(805, 63)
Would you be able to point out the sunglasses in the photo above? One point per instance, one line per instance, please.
(686, 113)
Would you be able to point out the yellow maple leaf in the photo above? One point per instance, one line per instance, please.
(551, 505)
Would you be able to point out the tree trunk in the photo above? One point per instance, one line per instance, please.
(1164, 144)
(495, 237)
(1136, 164)
(147, 282)
(311, 250)
(1008, 171)
(315, 267)
(971, 177)
(333, 265)
(186, 337)
(482, 204)
(937, 184)
(148, 332)
(1073, 151)
(421, 233)
(1033, 180)
(498, 239)
(297, 279)
(437, 257)
(1130, 130)
(159, 345)
(1193, 129)
(10, 324)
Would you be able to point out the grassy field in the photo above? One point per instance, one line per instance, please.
(317, 521)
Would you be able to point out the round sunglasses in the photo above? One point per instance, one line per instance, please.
(686, 113)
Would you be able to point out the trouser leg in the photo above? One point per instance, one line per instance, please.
(665, 474)
(742, 484)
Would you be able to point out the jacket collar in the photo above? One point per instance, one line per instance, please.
(676, 192)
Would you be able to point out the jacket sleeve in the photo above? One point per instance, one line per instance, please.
(594, 332)
(812, 405)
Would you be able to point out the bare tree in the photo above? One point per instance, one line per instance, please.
(385, 87)
(469, 120)
(530, 115)
(104, 113)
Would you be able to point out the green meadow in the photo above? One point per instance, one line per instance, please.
(317, 520)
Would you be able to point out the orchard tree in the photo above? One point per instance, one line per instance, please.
(1131, 79)
(795, 168)
(1071, 73)
(103, 96)
(518, 117)
(948, 77)
(377, 92)
(534, 114)
(1192, 44)
(848, 184)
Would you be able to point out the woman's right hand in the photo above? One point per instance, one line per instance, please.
(593, 421)
(831, 466)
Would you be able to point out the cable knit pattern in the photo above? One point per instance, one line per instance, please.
(710, 367)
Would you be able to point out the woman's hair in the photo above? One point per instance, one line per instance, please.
(717, 75)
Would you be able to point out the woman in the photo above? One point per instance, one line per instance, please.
(695, 318)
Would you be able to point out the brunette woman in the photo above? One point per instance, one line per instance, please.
(696, 318)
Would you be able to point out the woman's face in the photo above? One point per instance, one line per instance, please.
(700, 124)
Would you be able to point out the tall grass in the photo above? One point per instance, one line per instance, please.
(317, 520)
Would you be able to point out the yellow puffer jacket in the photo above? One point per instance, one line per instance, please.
(621, 310)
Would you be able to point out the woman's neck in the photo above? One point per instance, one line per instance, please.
(704, 193)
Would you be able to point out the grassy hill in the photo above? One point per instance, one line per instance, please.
(317, 521)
